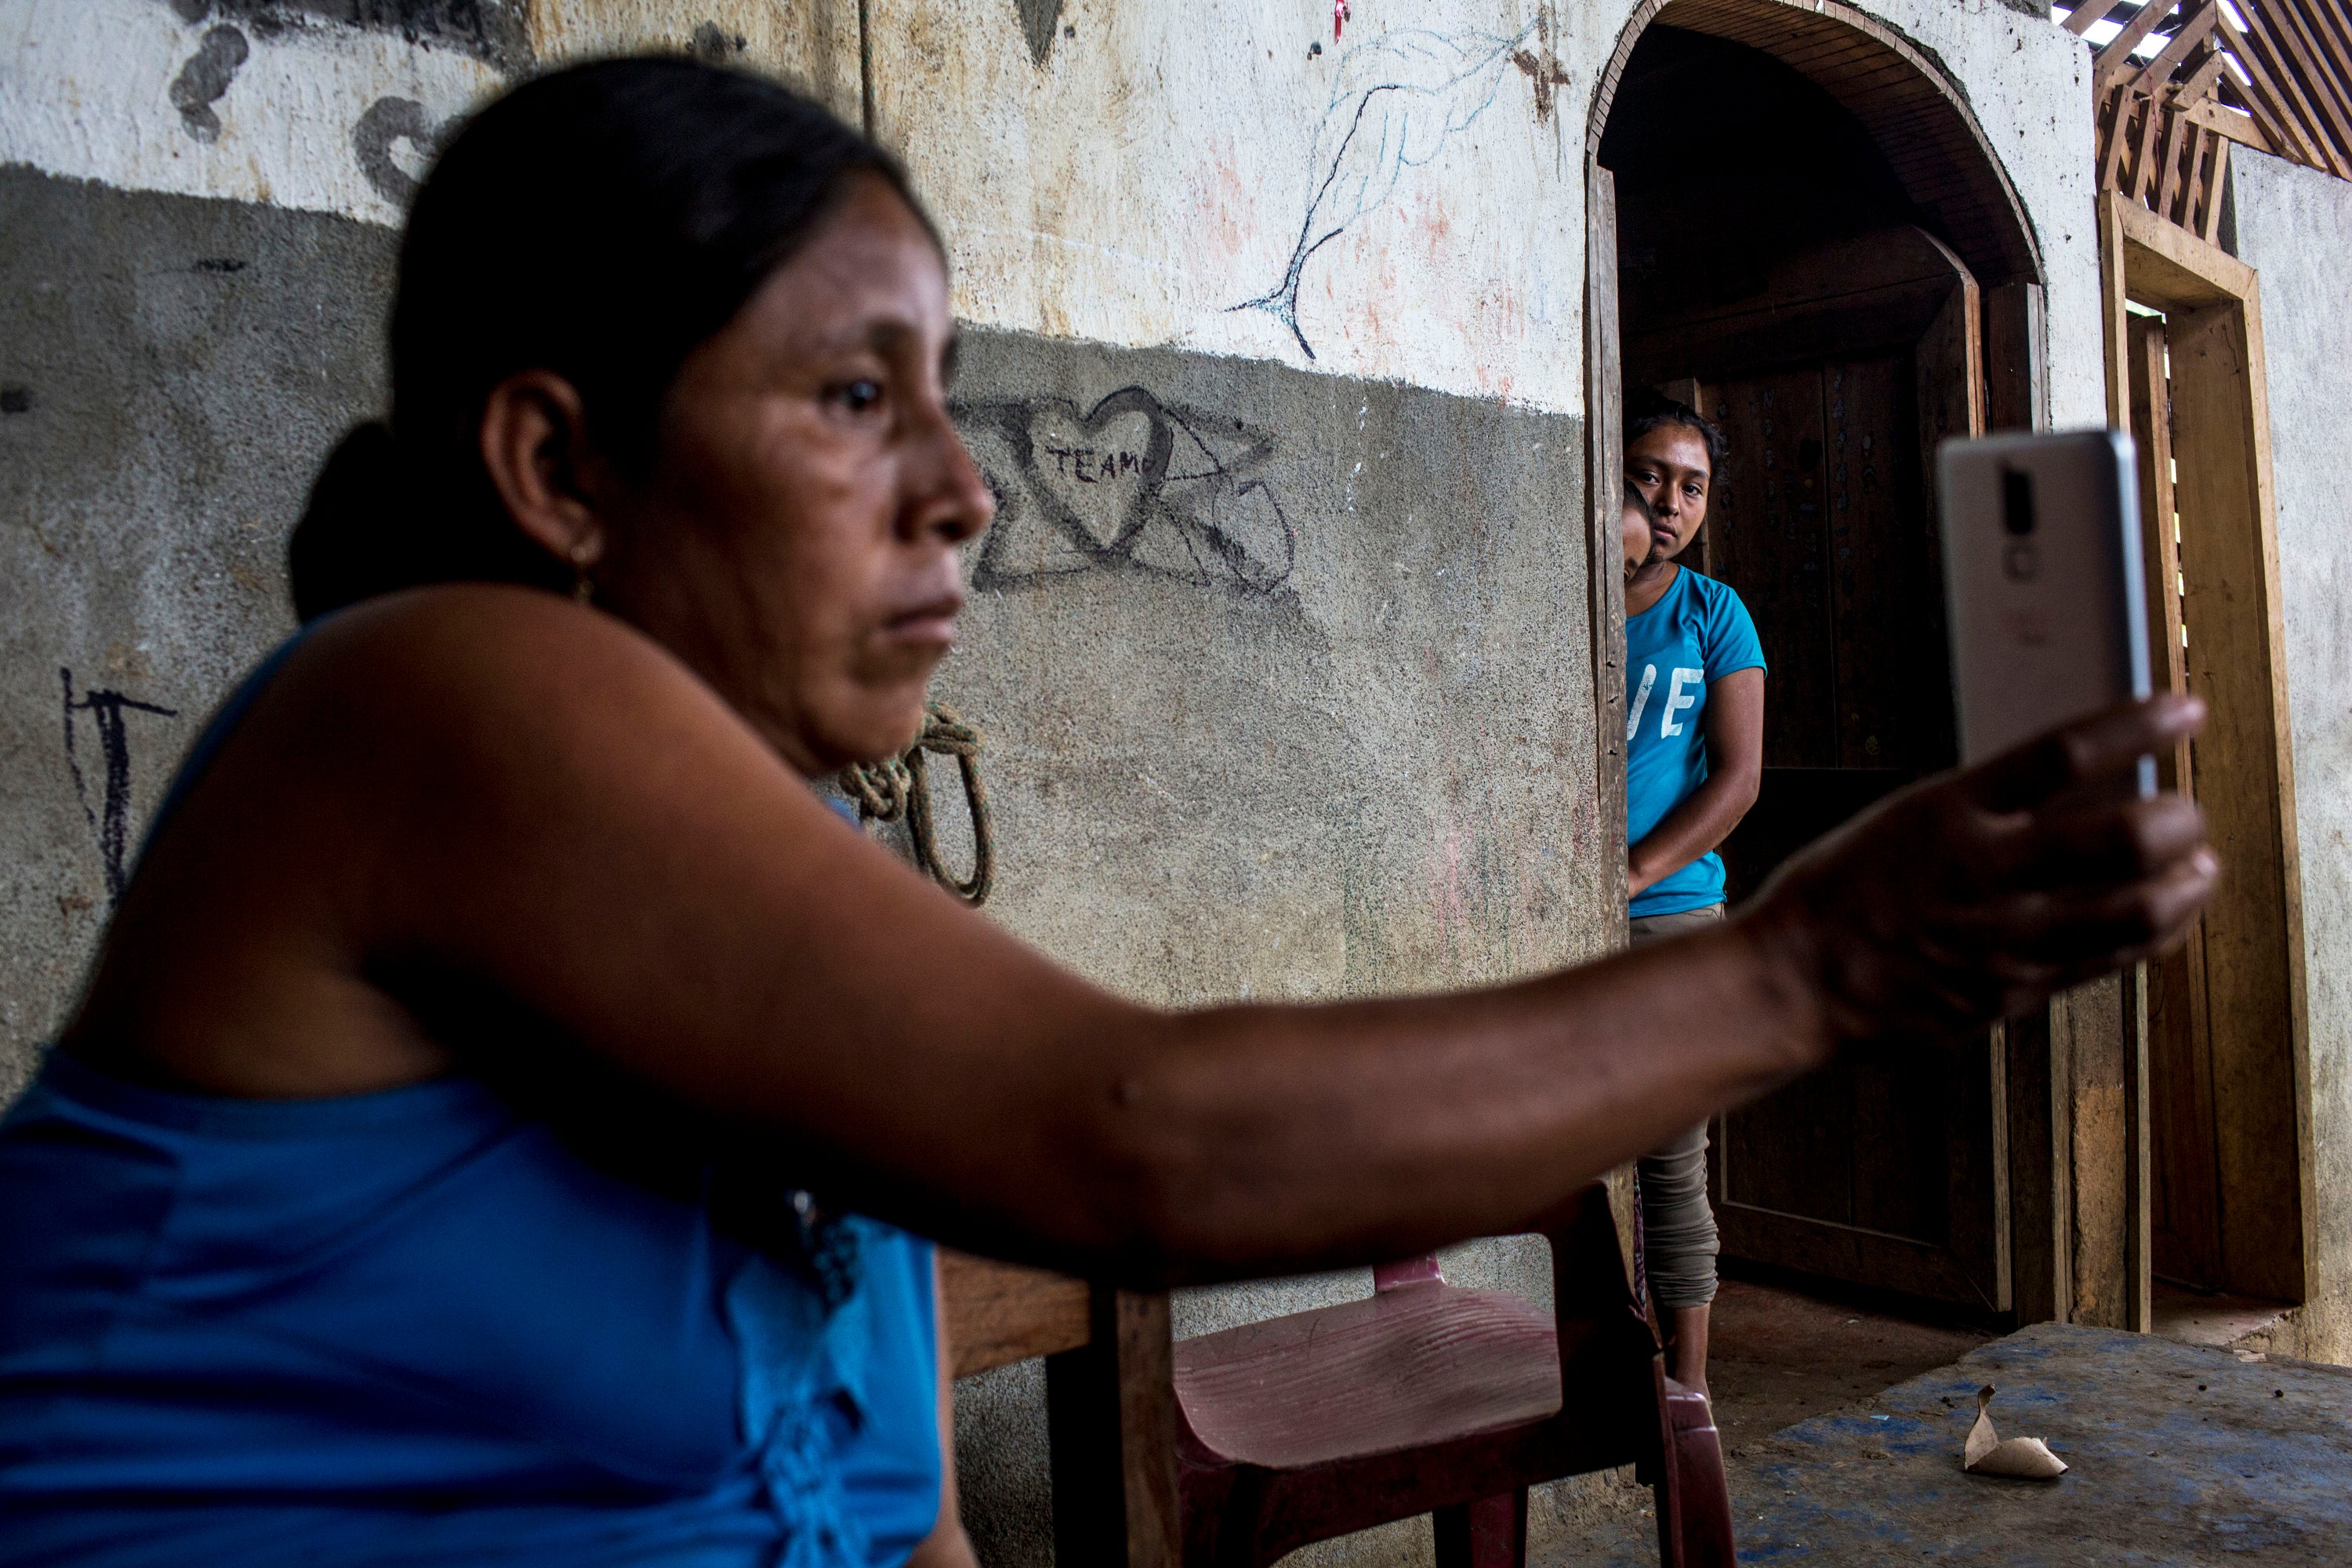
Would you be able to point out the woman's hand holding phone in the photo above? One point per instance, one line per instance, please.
(1975, 895)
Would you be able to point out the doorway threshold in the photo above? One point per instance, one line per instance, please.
(2247, 1323)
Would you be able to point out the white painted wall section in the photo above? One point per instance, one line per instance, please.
(124, 92)
(2295, 226)
(1400, 204)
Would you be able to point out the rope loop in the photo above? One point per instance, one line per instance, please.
(898, 788)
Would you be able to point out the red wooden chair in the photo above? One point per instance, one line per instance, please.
(1229, 1450)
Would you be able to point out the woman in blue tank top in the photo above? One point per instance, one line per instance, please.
(486, 1130)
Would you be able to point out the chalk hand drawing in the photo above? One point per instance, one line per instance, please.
(110, 819)
(1395, 101)
(204, 81)
(1131, 484)
(1039, 18)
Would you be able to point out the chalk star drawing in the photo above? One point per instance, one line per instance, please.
(1395, 101)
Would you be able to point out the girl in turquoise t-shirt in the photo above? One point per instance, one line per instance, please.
(1694, 758)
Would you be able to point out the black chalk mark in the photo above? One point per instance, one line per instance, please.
(1038, 19)
(494, 31)
(111, 820)
(710, 42)
(1395, 101)
(222, 265)
(204, 79)
(1132, 483)
(16, 400)
(388, 122)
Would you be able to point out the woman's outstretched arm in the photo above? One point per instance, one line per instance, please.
(486, 802)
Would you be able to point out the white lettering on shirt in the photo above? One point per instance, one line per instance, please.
(1641, 700)
(1676, 702)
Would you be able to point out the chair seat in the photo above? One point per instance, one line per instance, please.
(1410, 1368)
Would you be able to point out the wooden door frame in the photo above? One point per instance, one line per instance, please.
(1605, 490)
(2245, 762)
(1903, 97)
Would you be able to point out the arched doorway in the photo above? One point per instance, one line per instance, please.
(1798, 226)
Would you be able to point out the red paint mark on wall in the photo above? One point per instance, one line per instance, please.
(1340, 14)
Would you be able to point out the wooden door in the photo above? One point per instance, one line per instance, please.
(2184, 1194)
(2226, 1012)
(1885, 1169)
(1833, 383)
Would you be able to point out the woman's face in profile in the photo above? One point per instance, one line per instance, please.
(797, 544)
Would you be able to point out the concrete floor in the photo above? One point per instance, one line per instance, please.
(2181, 1454)
(1777, 1356)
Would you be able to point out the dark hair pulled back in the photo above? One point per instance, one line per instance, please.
(599, 222)
(1646, 411)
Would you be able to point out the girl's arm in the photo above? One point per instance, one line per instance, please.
(1735, 772)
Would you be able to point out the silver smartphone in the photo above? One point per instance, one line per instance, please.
(2042, 579)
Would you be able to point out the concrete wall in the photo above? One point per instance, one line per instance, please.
(1310, 718)
(2296, 227)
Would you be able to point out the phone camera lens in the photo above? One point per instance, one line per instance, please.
(2017, 502)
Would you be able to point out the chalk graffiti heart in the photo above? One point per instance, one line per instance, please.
(1129, 484)
(1099, 468)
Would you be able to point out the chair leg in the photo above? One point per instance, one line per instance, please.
(1693, 1504)
(1489, 1533)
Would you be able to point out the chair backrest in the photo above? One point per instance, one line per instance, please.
(998, 1314)
(1421, 1270)
(1110, 1396)
(1110, 1399)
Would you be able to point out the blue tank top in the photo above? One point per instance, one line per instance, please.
(420, 1327)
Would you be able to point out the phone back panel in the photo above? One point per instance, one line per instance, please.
(2048, 623)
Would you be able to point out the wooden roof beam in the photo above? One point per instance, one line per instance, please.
(2116, 53)
(2195, 29)
(2290, 130)
(2193, 87)
(2329, 41)
(2323, 117)
(2088, 15)
(2233, 124)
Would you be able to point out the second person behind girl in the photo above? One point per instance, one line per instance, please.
(1693, 762)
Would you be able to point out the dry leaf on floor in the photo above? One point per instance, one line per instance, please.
(2028, 1458)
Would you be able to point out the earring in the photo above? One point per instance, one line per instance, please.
(584, 587)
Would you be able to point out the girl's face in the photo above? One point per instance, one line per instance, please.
(797, 543)
(1669, 466)
(1634, 529)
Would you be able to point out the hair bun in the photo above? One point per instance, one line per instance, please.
(344, 548)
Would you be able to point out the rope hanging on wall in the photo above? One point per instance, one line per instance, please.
(900, 788)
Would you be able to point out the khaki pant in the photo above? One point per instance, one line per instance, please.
(1678, 1232)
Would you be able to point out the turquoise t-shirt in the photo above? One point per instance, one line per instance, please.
(1692, 637)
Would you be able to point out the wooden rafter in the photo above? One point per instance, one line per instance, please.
(2274, 75)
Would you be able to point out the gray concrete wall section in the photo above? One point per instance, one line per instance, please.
(1308, 716)
(2294, 227)
(171, 372)
(1285, 677)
